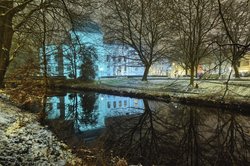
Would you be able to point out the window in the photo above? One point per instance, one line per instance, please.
(108, 58)
(108, 104)
(136, 103)
(125, 103)
(120, 103)
(68, 68)
(114, 104)
(58, 105)
(56, 57)
(49, 68)
(71, 108)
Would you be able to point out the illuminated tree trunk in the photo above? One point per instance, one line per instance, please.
(192, 72)
(186, 71)
(236, 70)
(145, 74)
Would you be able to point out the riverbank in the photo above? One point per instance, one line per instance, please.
(24, 141)
(215, 93)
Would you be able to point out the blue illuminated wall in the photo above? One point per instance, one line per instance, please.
(113, 59)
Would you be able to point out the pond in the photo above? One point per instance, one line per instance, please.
(148, 132)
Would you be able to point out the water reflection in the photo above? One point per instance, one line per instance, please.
(89, 110)
(164, 134)
(151, 132)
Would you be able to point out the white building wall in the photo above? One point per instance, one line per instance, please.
(112, 59)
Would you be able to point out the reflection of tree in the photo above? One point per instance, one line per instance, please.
(82, 109)
(231, 141)
(89, 114)
(141, 137)
(181, 136)
(190, 144)
(78, 111)
(164, 134)
(206, 140)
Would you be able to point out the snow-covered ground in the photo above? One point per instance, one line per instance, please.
(211, 89)
(23, 141)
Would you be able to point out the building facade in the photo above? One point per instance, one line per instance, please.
(113, 59)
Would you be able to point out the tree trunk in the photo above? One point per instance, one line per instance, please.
(196, 71)
(6, 33)
(145, 74)
(192, 72)
(3, 68)
(186, 71)
(220, 64)
(45, 63)
(236, 70)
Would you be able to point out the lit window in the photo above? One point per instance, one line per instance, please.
(136, 102)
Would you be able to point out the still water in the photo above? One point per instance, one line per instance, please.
(150, 132)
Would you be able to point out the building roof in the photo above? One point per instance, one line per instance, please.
(87, 26)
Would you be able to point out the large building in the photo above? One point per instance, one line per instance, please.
(113, 59)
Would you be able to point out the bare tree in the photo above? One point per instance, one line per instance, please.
(193, 22)
(235, 17)
(139, 24)
(26, 16)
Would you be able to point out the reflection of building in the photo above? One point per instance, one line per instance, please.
(120, 106)
(113, 59)
(71, 108)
